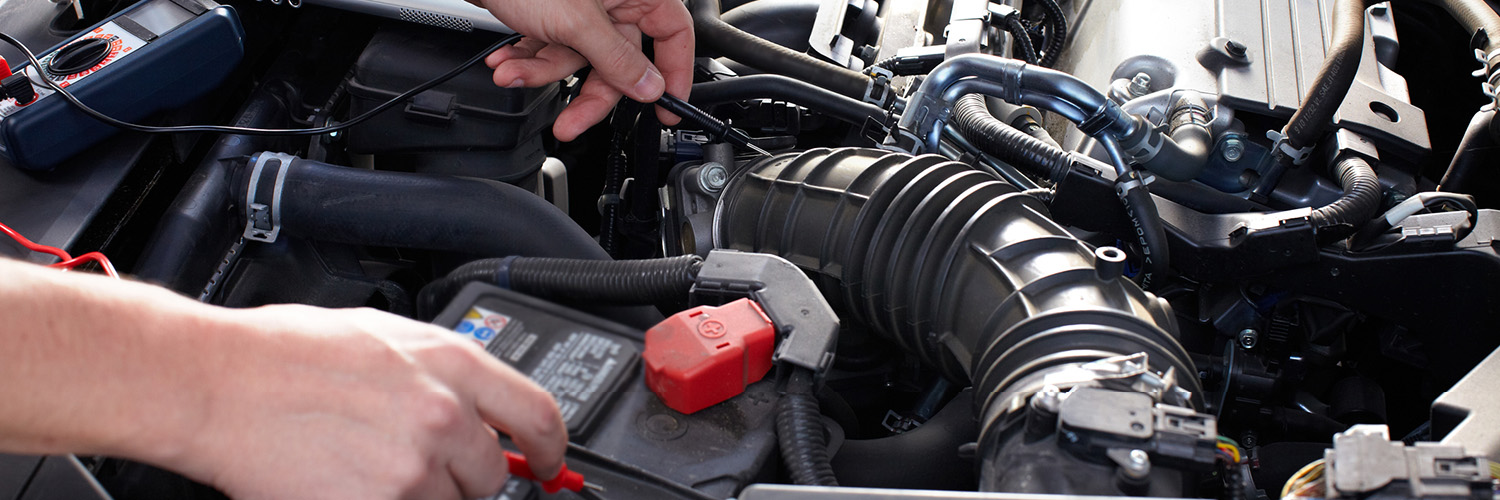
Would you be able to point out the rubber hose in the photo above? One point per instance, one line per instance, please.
(766, 56)
(1057, 32)
(786, 89)
(464, 215)
(1333, 79)
(1150, 232)
(1006, 143)
(1475, 15)
(1023, 49)
(801, 434)
(1360, 201)
(194, 233)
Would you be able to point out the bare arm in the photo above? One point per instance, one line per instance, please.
(273, 402)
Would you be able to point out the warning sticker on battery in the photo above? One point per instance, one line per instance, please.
(576, 369)
(579, 367)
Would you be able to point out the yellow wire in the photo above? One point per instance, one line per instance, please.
(1233, 450)
(1494, 469)
(1305, 470)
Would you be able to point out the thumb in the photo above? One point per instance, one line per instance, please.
(619, 61)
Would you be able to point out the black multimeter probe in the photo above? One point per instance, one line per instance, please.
(716, 128)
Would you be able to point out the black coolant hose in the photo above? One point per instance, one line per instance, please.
(786, 89)
(1360, 201)
(1008, 144)
(463, 215)
(195, 232)
(1331, 84)
(761, 54)
(801, 434)
(619, 282)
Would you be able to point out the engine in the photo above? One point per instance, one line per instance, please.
(897, 249)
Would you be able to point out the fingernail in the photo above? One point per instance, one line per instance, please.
(515, 84)
(651, 84)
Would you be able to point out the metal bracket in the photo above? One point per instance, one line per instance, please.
(262, 216)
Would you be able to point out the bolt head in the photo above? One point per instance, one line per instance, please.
(1248, 338)
(1140, 85)
(1139, 457)
(712, 177)
(1234, 149)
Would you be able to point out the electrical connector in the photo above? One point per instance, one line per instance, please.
(15, 85)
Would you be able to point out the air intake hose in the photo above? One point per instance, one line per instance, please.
(951, 264)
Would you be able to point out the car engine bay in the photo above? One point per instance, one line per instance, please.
(897, 249)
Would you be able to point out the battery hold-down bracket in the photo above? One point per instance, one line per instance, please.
(805, 324)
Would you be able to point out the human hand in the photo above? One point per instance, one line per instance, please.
(357, 403)
(563, 36)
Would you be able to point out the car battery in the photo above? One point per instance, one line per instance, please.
(593, 369)
(153, 56)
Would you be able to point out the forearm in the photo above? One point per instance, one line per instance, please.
(95, 365)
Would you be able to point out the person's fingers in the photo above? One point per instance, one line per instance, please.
(671, 28)
(479, 465)
(549, 64)
(523, 410)
(527, 47)
(439, 484)
(616, 58)
(594, 102)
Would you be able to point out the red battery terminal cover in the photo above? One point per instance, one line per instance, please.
(705, 355)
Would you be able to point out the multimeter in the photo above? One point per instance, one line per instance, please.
(153, 56)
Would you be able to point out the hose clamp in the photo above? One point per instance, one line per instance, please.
(263, 210)
(1279, 143)
(878, 90)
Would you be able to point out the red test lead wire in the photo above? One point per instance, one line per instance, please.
(68, 261)
(565, 480)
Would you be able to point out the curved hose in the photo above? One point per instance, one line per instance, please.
(646, 281)
(786, 89)
(1057, 32)
(801, 434)
(464, 215)
(973, 119)
(1476, 15)
(1332, 82)
(1357, 205)
(766, 56)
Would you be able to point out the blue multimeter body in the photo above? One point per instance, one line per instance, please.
(162, 54)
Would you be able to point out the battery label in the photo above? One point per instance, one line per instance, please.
(578, 367)
(121, 43)
(574, 370)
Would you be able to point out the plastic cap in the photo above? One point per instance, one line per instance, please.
(705, 355)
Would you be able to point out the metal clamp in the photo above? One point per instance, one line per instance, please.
(1279, 143)
(878, 91)
(263, 216)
